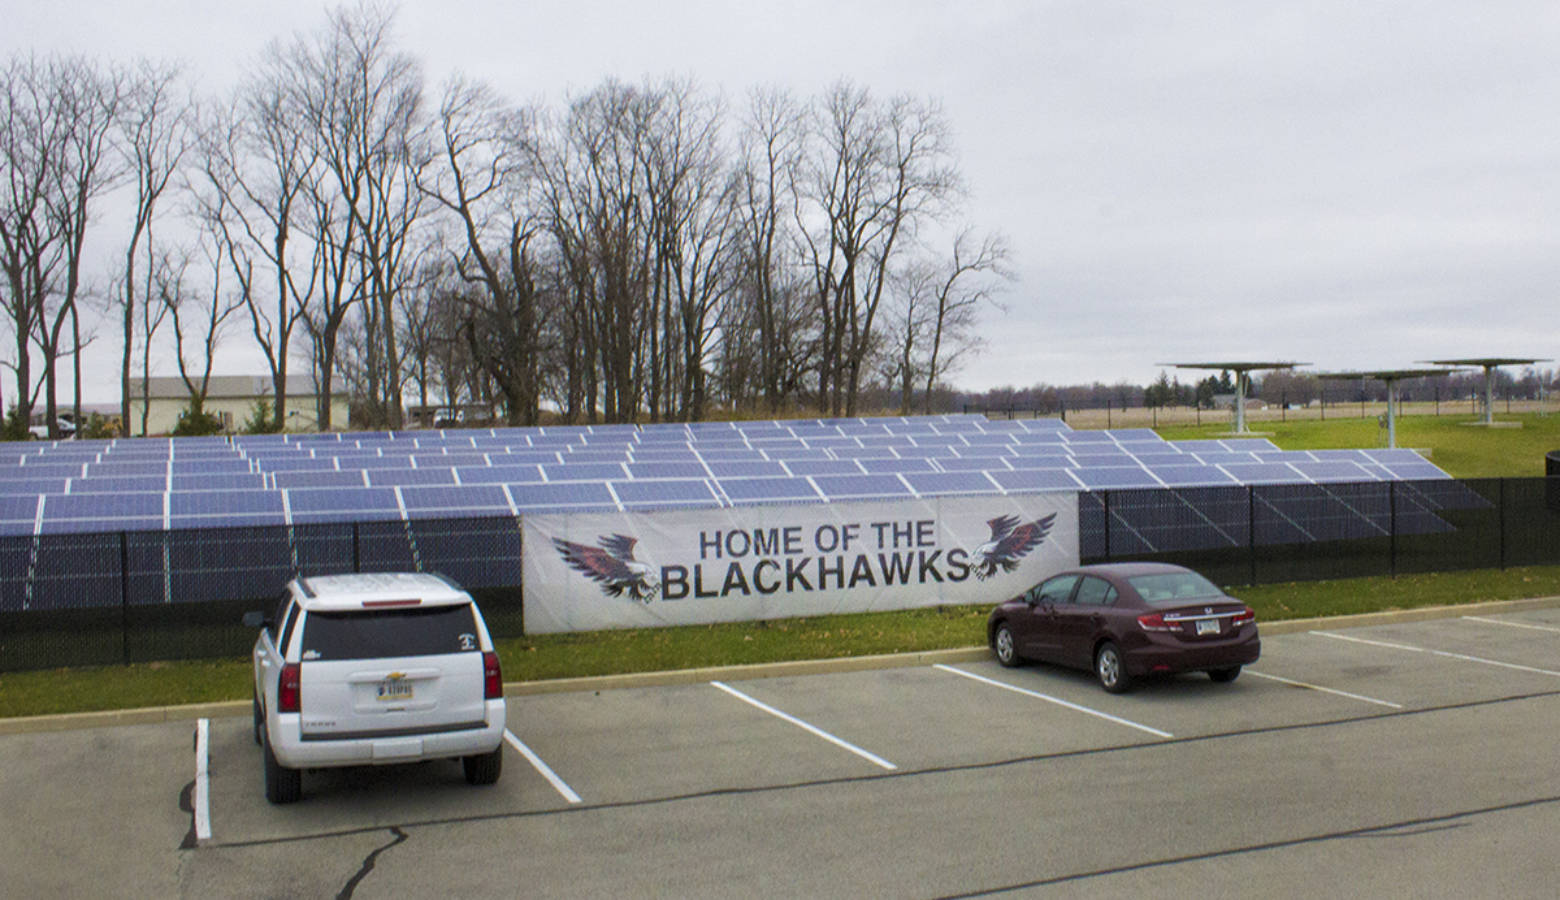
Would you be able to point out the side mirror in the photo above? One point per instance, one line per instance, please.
(256, 619)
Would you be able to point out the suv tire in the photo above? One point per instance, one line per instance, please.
(484, 768)
(282, 785)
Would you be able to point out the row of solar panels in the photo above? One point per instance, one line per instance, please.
(53, 571)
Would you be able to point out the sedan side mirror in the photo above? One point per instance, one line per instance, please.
(256, 619)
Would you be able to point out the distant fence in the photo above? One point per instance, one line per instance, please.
(123, 597)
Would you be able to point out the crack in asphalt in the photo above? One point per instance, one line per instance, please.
(368, 864)
(1421, 825)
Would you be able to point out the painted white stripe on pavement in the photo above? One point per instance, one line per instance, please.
(1511, 624)
(1057, 700)
(811, 729)
(1465, 658)
(1325, 690)
(201, 800)
(546, 772)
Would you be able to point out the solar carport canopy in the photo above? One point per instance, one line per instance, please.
(141, 484)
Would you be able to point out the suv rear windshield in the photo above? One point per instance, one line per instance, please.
(392, 632)
(1173, 587)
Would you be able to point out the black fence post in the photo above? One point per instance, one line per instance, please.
(357, 565)
(1392, 528)
(1500, 505)
(1105, 501)
(124, 596)
(1251, 529)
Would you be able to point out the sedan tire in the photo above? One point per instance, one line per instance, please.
(1112, 669)
(1225, 675)
(1006, 647)
(484, 768)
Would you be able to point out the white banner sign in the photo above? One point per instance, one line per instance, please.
(585, 572)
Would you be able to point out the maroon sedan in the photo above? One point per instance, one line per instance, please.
(1125, 621)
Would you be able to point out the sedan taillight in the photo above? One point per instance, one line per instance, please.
(492, 677)
(1243, 617)
(289, 695)
(1156, 622)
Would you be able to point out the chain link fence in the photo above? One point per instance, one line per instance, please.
(124, 597)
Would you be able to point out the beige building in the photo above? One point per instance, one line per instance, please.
(230, 398)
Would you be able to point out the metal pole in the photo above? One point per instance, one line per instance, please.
(1392, 526)
(1489, 395)
(1240, 401)
(124, 596)
(1391, 413)
(1251, 529)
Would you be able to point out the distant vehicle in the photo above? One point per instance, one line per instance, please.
(1127, 621)
(373, 669)
(66, 423)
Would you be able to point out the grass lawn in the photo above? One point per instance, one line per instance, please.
(649, 650)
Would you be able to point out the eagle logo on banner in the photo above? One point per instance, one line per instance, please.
(613, 565)
(1010, 542)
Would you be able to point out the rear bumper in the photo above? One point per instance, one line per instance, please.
(1168, 658)
(295, 751)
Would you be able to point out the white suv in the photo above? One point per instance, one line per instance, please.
(375, 669)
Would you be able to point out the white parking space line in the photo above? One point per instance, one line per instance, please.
(1057, 700)
(201, 800)
(1464, 657)
(811, 729)
(1512, 624)
(1325, 690)
(546, 772)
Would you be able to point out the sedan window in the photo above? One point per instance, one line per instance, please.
(1173, 587)
(1054, 590)
(1094, 592)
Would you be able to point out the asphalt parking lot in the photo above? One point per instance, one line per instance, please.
(1406, 759)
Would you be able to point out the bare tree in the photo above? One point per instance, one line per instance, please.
(962, 283)
(485, 176)
(156, 128)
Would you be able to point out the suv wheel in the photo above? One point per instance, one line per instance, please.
(484, 768)
(282, 785)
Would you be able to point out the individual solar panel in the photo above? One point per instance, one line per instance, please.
(114, 484)
(323, 478)
(1261, 473)
(21, 487)
(823, 467)
(342, 504)
(747, 469)
(394, 477)
(217, 503)
(456, 500)
(597, 472)
(657, 493)
(732, 454)
(667, 470)
(773, 490)
(1331, 470)
(219, 482)
(853, 451)
(852, 487)
(103, 508)
(974, 463)
(1115, 478)
(1183, 475)
(498, 474)
(787, 454)
(895, 464)
(934, 483)
(563, 495)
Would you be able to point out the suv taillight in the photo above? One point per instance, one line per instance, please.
(289, 698)
(492, 677)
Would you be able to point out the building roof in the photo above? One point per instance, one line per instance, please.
(172, 387)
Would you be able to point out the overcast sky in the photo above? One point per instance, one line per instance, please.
(1355, 185)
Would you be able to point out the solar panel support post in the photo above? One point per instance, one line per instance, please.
(124, 596)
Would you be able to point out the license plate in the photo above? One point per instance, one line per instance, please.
(1207, 626)
(393, 689)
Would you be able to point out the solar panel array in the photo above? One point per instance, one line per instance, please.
(142, 484)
